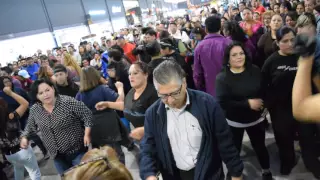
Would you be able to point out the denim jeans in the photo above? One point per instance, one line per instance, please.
(25, 158)
(65, 161)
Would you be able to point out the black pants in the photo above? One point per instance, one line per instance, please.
(36, 139)
(284, 128)
(257, 135)
(187, 175)
(3, 175)
(309, 136)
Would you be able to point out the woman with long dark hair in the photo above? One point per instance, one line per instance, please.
(239, 93)
(233, 31)
(9, 138)
(278, 74)
(6, 81)
(291, 19)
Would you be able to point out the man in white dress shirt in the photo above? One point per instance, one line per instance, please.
(186, 134)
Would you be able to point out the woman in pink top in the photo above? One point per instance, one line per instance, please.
(250, 26)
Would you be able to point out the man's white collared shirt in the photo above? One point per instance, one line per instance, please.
(185, 135)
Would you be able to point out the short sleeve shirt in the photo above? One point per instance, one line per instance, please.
(134, 110)
(100, 93)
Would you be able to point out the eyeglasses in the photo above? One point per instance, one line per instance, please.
(86, 162)
(173, 94)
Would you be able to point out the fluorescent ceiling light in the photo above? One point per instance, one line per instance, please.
(174, 1)
(98, 12)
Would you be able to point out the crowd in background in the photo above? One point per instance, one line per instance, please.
(94, 93)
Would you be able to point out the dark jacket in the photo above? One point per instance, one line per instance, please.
(216, 143)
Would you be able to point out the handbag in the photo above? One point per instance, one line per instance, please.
(13, 126)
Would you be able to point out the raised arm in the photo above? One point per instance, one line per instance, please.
(112, 99)
(23, 103)
(305, 106)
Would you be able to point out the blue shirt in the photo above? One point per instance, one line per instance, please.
(104, 65)
(100, 93)
(32, 70)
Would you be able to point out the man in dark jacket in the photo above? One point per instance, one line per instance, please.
(186, 134)
(64, 85)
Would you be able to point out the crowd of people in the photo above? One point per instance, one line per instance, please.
(179, 94)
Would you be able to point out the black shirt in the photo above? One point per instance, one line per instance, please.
(234, 90)
(278, 74)
(70, 90)
(266, 47)
(134, 110)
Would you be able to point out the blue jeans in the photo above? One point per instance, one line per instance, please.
(65, 161)
(25, 158)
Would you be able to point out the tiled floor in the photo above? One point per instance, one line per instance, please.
(252, 168)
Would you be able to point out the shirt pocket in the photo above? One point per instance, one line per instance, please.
(194, 135)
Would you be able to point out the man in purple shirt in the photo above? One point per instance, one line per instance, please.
(208, 56)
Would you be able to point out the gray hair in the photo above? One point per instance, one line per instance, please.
(168, 71)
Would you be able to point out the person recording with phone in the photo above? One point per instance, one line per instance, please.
(305, 104)
(305, 93)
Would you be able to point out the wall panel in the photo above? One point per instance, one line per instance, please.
(20, 16)
(65, 13)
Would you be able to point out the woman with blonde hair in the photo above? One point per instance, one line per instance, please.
(266, 19)
(73, 68)
(101, 163)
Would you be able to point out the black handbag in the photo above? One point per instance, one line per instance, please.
(13, 127)
(106, 128)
